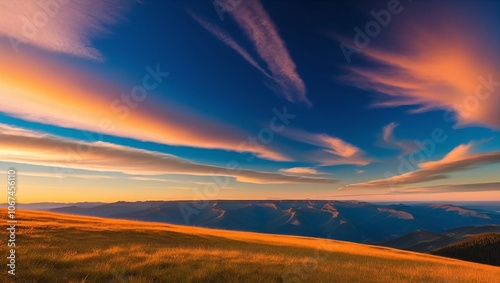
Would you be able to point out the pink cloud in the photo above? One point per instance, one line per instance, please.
(406, 147)
(253, 19)
(302, 171)
(334, 151)
(443, 62)
(60, 26)
(226, 39)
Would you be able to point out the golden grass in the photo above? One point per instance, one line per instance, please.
(63, 248)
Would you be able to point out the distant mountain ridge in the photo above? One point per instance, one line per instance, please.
(341, 220)
(426, 241)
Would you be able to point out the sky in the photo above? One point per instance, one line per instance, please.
(196, 100)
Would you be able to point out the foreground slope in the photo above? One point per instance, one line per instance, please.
(63, 248)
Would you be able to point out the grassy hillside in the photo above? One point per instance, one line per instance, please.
(418, 241)
(484, 248)
(64, 248)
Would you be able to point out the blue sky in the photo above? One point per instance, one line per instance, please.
(206, 85)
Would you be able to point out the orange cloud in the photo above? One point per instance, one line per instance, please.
(458, 153)
(460, 158)
(29, 147)
(67, 98)
(60, 26)
(337, 146)
(302, 171)
(337, 151)
(441, 60)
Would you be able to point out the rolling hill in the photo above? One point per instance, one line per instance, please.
(483, 248)
(419, 241)
(66, 248)
(426, 241)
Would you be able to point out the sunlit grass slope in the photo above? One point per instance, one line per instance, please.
(63, 248)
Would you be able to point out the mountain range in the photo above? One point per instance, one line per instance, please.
(354, 221)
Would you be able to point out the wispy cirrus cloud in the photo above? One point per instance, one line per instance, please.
(458, 159)
(228, 40)
(107, 176)
(446, 61)
(406, 147)
(61, 26)
(260, 30)
(68, 175)
(334, 151)
(30, 147)
(66, 97)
